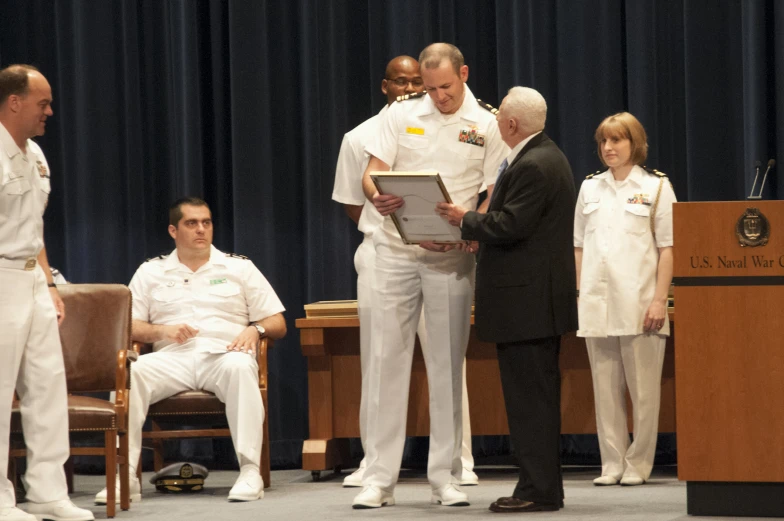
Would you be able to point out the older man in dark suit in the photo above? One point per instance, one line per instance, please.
(525, 291)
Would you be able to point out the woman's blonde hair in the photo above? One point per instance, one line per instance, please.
(624, 126)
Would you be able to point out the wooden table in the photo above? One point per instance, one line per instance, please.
(334, 382)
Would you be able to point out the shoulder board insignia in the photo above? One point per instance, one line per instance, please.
(487, 106)
(159, 257)
(237, 256)
(590, 176)
(655, 172)
(415, 95)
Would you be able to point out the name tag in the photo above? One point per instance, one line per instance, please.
(415, 130)
(217, 281)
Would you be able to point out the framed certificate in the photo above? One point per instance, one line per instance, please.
(417, 220)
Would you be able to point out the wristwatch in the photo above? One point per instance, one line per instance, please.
(261, 330)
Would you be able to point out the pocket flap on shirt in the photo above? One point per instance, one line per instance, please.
(11, 175)
(590, 208)
(638, 209)
(168, 294)
(469, 151)
(16, 186)
(227, 289)
(413, 141)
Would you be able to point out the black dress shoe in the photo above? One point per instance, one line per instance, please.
(512, 504)
(514, 500)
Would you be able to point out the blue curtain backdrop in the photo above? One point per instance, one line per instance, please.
(245, 102)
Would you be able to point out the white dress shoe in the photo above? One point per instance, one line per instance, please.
(469, 478)
(450, 496)
(605, 481)
(373, 497)
(354, 479)
(248, 487)
(631, 481)
(133, 486)
(62, 510)
(14, 514)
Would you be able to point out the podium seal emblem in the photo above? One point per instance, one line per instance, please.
(752, 228)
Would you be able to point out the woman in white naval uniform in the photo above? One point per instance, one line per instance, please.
(623, 253)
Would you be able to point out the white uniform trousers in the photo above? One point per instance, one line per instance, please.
(364, 260)
(406, 280)
(618, 362)
(31, 360)
(232, 376)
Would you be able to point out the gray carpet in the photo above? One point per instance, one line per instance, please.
(294, 496)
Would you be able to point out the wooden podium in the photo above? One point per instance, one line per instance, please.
(729, 356)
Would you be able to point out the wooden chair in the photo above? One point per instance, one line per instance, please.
(96, 341)
(199, 407)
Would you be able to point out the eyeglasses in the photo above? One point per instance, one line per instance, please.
(403, 81)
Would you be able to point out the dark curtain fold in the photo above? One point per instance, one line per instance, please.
(245, 104)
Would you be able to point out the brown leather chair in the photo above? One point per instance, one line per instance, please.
(96, 340)
(195, 408)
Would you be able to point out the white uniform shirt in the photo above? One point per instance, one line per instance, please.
(612, 224)
(416, 136)
(220, 299)
(352, 162)
(24, 192)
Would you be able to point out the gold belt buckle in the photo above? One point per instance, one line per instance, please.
(30, 265)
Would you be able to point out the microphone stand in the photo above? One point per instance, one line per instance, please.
(771, 164)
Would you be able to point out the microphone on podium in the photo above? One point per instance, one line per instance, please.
(771, 164)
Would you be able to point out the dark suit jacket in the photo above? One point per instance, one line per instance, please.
(525, 275)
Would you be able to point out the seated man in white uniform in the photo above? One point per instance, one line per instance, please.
(205, 311)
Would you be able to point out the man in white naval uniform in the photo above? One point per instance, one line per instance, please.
(205, 311)
(31, 357)
(401, 77)
(447, 131)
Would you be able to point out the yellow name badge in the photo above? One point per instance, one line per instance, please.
(414, 130)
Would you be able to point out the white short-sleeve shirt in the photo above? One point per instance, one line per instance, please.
(24, 193)
(612, 224)
(219, 300)
(465, 148)
(352, 162)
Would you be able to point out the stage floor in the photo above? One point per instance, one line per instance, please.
(294, 496)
